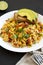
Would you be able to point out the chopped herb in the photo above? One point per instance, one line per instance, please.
(15, 36)
(39, 34)
(7, 29)
(20, 30)
(26, 35)
(34, 42)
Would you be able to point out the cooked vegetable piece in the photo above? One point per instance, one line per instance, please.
(26, 35)
(15, 36)
(7, 29)
(40, 34)
(20, 29)
(19, 18)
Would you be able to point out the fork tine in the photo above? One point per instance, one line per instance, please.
(38, 58)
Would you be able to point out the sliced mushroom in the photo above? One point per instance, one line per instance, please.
(19, 18)
(15, 16)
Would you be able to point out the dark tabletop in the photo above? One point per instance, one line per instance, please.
(8, 57)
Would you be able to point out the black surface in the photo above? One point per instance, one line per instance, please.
(8, 57)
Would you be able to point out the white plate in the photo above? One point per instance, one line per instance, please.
(8, 46)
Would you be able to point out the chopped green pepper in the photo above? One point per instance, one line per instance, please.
(20, 30)
(26, 35)
(15, 36)
(40, 34)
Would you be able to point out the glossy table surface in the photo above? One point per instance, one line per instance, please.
(8, 57)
